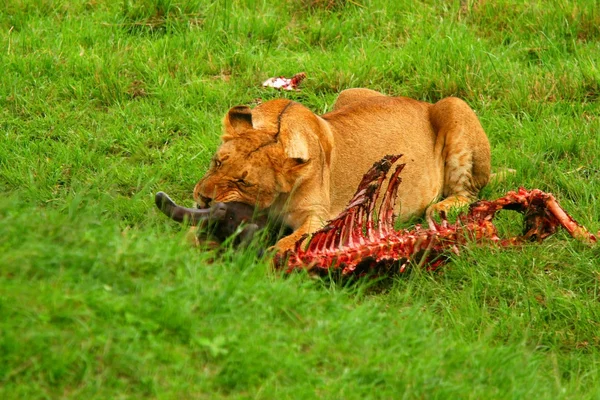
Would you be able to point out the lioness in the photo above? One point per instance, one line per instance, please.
(304, 167)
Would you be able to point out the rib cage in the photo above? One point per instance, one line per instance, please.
(354, 242)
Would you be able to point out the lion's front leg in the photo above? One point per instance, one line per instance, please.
(311, 224)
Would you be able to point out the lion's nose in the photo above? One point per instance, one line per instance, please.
(203, 201)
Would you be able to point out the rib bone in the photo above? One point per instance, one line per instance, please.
(354, 243)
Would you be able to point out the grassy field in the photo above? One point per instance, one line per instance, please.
(103, 103)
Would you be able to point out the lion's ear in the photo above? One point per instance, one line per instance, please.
(295, 157)
(293, 169)
(295, 147)
(237, 121)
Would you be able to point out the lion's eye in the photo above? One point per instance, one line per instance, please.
(217, 163)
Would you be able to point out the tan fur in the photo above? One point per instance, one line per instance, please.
(282, 156)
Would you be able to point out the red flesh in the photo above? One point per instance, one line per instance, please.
(354, 243)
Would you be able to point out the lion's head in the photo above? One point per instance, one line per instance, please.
(265, 154)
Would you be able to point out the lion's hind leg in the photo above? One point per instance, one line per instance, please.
(465, 151)
(349, 96)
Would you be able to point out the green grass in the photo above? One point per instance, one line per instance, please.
(104, 103)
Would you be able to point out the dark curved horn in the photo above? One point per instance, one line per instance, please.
(193, 215)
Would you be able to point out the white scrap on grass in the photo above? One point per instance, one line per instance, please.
(283, 83)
